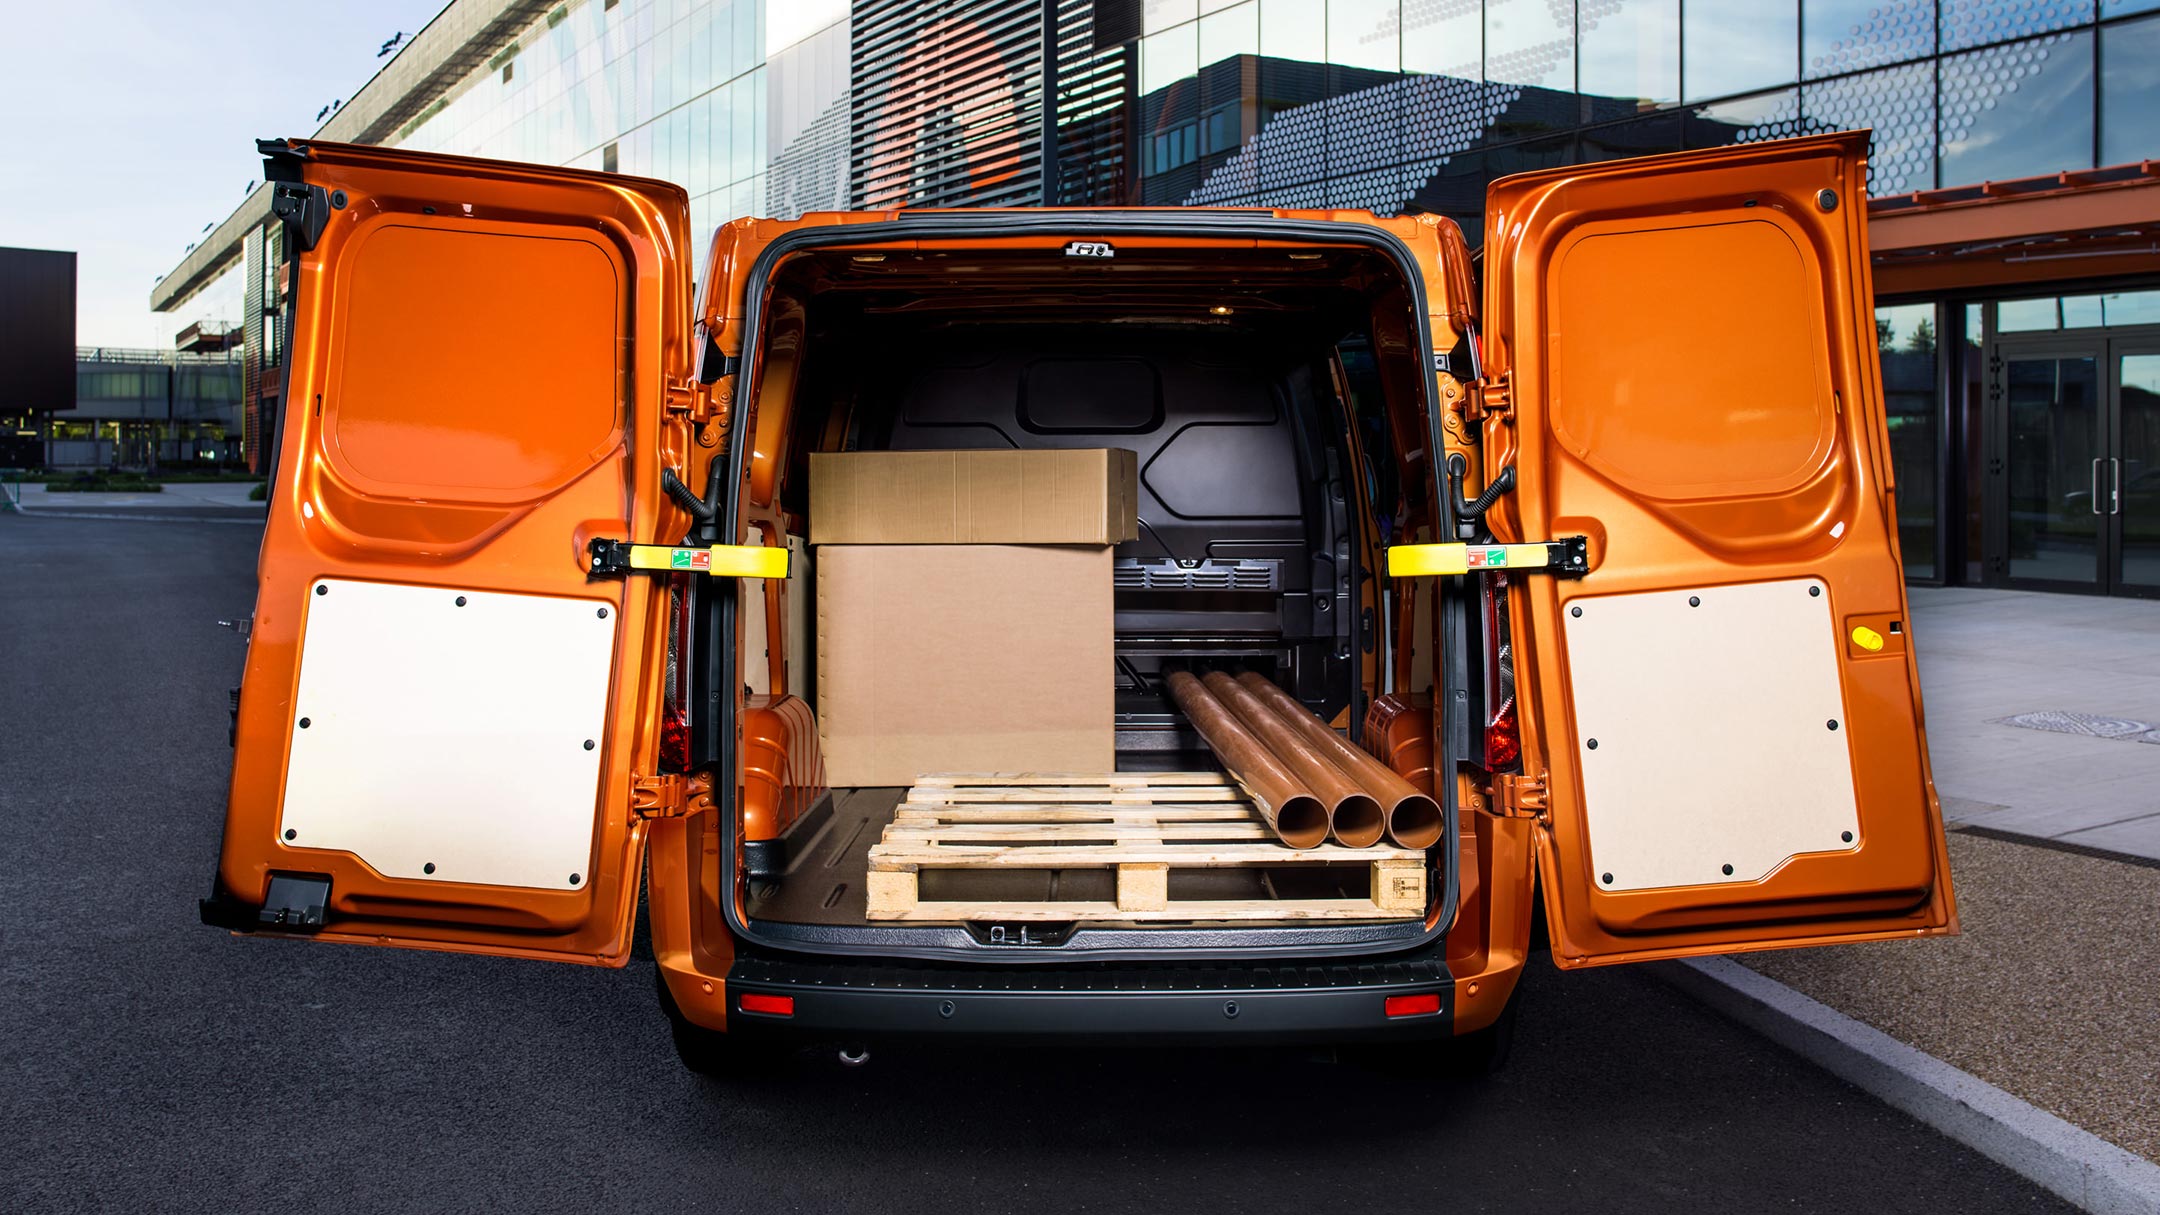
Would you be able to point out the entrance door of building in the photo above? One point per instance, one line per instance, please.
(2134, 501)
(2076, 503)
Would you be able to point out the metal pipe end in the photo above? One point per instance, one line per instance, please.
(1359, 822)
(1302, 822)
(1415, 822)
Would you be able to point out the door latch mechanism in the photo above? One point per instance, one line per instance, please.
(611, 557)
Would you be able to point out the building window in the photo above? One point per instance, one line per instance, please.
(1905, 338)
(609, 161)
(1847, 35)
(2018, 110)
(1630, 55)
(1737, 46)
(509, 71)
(2129, 91)
(1899, 104)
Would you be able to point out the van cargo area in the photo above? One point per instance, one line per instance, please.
(1271, 402)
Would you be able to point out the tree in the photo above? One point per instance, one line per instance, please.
(1922, 340)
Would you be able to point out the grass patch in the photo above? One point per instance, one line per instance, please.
(103, 485)
(260, 492)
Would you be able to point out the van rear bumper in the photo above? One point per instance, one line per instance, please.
(1329, 1000)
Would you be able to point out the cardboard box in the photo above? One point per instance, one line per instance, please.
(1041, 496)
(963, 658)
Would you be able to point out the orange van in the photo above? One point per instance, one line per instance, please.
(1603, 558)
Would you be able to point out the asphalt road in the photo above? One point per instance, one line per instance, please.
(151, 1063)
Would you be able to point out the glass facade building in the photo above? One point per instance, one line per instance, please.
(1979, 108)
(1387, 104)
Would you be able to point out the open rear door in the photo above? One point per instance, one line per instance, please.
(443, 719)
(1724, 712)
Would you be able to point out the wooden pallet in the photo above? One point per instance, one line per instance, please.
(1142, 825)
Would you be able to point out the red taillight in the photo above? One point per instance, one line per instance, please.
(1503, 735)
(776, 1006)
(1423, 1005)
(675, 701)
(1503, 739)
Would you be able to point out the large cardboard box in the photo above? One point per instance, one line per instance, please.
(1041, 496)
(963, 658)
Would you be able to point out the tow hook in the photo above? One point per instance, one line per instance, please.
(854, 1054)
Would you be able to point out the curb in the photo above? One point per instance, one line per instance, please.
(2074, 1164)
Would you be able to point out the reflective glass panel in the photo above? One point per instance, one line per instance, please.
(1847, 35)
(2135, 494)
(2017, 110)
(1744, 120)
(1905, 340)
(1642, 137)
(1531, 43)
(1293, 29)
(1899, 104)
(1156, 15)
(2054, 462)
(1978, 22)
(2122, 8)
(1365, 33)
(2130, 308)
(1738, 46)
(1445, 39)
(2130, 91)
(1231, 32)
(1629, 56)
(2028, 316)
(1169, 57)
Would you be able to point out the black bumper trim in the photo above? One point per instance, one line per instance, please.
(1275, 1002)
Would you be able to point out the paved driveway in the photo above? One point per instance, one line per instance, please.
(152, 1063)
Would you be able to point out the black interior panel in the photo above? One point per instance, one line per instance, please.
(1236, 465)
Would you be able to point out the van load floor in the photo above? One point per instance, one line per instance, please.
(825, 882)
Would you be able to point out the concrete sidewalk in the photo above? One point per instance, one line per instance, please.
(2070, 662)
(2052, 991)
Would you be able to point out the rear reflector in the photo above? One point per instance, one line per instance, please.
(1425, 1005)
(778, 1006)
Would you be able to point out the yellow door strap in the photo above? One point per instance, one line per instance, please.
(719, 560)
(1567, 558)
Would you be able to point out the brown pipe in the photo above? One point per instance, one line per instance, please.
(1413, 818)
(1291, 809)
(1353, 817)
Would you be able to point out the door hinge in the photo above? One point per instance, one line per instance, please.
(1516, 796)
(1491, 397)
(670, 795)
(692, 400)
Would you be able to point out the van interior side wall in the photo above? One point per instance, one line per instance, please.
(1251, 552)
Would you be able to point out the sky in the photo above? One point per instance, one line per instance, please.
(127, 125)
